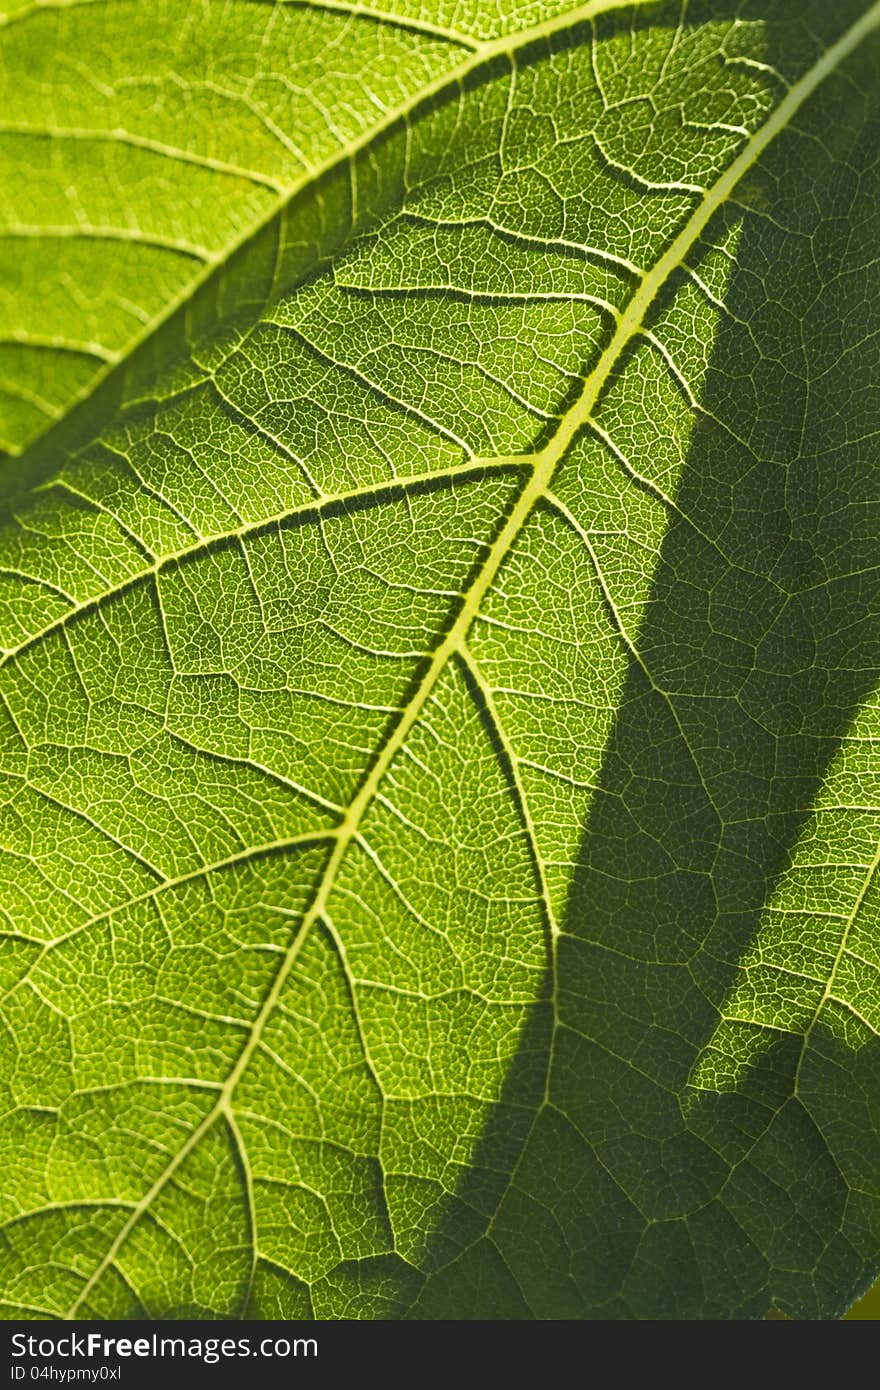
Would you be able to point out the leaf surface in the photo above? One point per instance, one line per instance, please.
(439, 819)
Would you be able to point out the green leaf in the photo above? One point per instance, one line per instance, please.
(439, 629)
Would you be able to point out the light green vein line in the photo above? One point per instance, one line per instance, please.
(371, 387)
(262, 432)
(634, 315)
(248, 1181)
(303, 841)
(851, 1009)
(550, 244)
(92, 504)
(21, 393)
(308, 837)
(841, 951)
(347, 832)
(407, 23)
(75, 1204)
(77, 813)
(39, 6)
(473, 468)
(479, 296)
(620, 630)
(142, 142)
(48, 341)
(544, 467)
(672, 506)
(353, 994)
(24, 1308)
(472, 666)
(23, 231)
(446, 83)
(467, 658)
(354, 10)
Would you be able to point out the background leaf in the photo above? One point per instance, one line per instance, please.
(439, 816)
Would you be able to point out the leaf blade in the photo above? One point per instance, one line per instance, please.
(220, 630)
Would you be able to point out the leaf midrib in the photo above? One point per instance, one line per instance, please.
(543, 468)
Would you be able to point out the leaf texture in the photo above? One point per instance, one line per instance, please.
(439, 629)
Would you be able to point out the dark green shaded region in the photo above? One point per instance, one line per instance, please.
(636, 1196)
